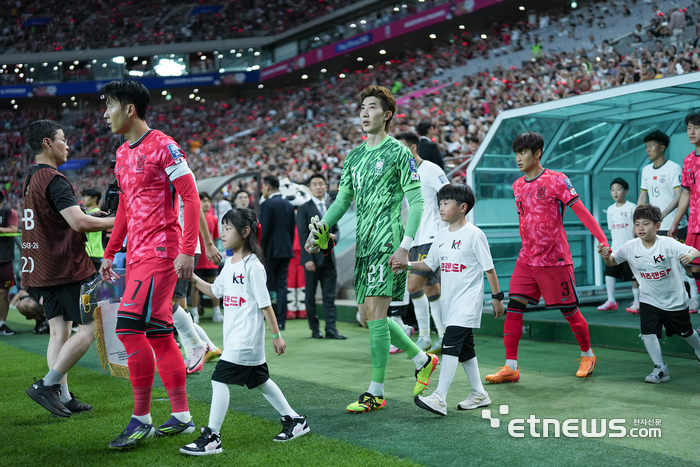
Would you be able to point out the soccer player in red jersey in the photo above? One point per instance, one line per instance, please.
(150, 168)
(690, 196)
(544, 267)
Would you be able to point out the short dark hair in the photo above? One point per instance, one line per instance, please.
(658, 136)
(528, 140)
(647, 211)
(317, 175)
(693, 117)
(38, 130)
(622, 182)
(272, 181)
(92, 192)
(235, 195)
(128, 91)
(459, 192)
(410, 137)
(203, 195)
(387, 100)
(423, 127)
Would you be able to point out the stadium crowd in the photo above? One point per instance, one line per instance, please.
(109, 23)
(296, 132)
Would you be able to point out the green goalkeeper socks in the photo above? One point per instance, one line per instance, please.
(401, 340)
(379, 341)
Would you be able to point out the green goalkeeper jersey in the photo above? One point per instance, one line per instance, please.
(378, 177)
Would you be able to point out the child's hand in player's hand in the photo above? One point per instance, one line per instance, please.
(604, 250)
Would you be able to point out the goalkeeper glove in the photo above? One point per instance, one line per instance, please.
(321, 232)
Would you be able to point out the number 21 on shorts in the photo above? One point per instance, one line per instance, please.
(375, 271)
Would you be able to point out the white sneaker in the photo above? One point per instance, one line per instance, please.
(195, 315)
(218, 317)
(476, 399)
(694, 305)
(423, 343)
(394, 349)
(434, 403)
(659, 375)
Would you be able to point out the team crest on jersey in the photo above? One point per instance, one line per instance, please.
(540, 192)
(176, 153)
(141, 163)
(415, 176)
(379, 167)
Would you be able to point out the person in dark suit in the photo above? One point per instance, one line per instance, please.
(318, 267)
(277, 221)
(428, 150)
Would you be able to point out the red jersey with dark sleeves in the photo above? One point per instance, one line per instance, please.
(540, 203)
(145, 171)
(689, 181)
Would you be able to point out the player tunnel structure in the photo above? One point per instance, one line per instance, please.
(593, 138)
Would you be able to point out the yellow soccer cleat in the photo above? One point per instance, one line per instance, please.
(366, 403)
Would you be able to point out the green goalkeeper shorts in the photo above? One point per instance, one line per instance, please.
(373, 278)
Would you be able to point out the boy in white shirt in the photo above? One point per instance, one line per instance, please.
(621, 230)
(462, 252)
(663, 300)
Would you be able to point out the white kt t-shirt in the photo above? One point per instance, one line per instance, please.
(463, 256)
(621, 224)
(242, 288)
(657, 270)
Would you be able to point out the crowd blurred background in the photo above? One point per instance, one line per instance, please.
(297, 131)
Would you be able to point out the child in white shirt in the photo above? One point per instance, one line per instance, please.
(242, 284)
(462, 252)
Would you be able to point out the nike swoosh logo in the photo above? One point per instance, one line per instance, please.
(447, 346)
(637, 256)
(129, 355)
(118, 169)
(372, 286)
(130, 304)
(563, 299)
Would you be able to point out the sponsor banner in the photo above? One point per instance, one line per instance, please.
(155, 82)
(353, 43)
(373, 37)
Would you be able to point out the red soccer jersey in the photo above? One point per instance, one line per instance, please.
(540, 203)
(148, 197)
(691, 173)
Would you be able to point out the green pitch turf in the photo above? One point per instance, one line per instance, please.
(321, 377)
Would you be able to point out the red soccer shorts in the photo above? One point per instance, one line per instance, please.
(693, 239)
(554, 283)
(148, 296)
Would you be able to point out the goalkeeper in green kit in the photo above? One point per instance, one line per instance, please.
(378, 174)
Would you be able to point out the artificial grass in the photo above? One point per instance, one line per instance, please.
(320, 377)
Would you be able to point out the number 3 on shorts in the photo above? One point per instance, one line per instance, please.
(373, 271)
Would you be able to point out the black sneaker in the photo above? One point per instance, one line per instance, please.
(132, 435)
(42, 327)
(292, 428)
(6, 331)
(207, 443)
(49, 397)
(74, 405)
